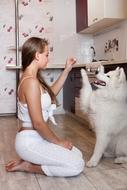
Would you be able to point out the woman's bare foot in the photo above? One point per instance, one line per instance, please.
(23, 166)
(17, 165)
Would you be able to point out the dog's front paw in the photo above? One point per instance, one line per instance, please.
(84, 75)
(91, 163)
(83, 72)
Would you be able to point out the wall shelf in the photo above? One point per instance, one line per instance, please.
(9, 67)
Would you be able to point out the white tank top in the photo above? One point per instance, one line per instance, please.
(47, 109)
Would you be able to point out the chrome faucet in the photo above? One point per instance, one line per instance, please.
(94, 53)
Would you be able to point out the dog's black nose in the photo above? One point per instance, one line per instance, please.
(96, 72)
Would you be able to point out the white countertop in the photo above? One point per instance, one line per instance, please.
(78, 65)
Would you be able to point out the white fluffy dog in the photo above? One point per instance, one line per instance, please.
(107, 112)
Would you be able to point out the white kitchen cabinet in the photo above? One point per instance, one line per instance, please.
(95, 11)
(104, 13)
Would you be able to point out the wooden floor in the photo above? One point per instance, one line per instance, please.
(106, 176)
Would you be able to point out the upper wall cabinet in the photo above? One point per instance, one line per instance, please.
(95, 15)
(81, 15)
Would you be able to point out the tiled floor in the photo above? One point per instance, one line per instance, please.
(106, 176)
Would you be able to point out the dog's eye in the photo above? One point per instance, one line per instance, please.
(108, 76)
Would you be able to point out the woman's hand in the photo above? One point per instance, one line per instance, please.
(66, 144)
(69, 64)
(58, 84)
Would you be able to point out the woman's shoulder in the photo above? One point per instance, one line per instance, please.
(32, 82)
(29, 82)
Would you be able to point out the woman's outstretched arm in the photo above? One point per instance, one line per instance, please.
(56, 87)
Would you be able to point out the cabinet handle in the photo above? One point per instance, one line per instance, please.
(95, 19)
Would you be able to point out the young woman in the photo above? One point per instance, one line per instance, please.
(40, 150)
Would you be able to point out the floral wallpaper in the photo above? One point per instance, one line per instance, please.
(35, 19)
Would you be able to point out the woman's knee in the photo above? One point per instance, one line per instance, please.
(77, 167)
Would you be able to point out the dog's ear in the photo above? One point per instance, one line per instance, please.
(117, 72)
(122, 76)
(117, 68)
(101, 69)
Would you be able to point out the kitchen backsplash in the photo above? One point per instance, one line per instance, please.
(66, 41)
(112, 44)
